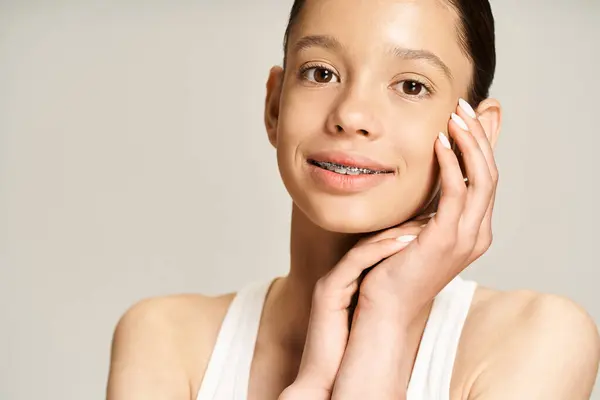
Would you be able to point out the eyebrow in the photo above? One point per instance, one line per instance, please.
(414, 54)
(331, 43)
(325, 41)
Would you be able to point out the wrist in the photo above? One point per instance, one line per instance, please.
(383, 318)
(398, 311)
(374, 360)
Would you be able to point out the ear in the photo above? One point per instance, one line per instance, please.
(274, 84)
(489, 113)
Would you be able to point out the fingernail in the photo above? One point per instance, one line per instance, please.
(425, 216)
(467, 108)
(460, 122)
(406, 238)
(444, 139)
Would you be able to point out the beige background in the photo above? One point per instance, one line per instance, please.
(134, 163)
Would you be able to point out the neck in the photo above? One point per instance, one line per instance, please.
(313, 252)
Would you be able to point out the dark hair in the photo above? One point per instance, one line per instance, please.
(475, 33)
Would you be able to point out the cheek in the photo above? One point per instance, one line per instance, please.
(414, 135)
(303, 114)
(414, 139)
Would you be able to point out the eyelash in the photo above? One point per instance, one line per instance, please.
(429, 90)
(308, 67)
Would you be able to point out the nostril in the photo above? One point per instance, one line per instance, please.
(364, 132)
(339, 128)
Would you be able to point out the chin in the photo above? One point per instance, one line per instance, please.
(359, 212)
(349, 215)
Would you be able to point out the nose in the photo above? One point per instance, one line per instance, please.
(354, 114)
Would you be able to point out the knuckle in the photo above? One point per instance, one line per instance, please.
(488, 184)
(487, 240)
(446, 243)
(458, 190)
(495, 175)
(470, 237)
(484, 243)
(353, 255)
(464, 251)
(492, 187)
(322, 287)
(485, 184)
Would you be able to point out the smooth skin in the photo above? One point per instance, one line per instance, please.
(343, 89)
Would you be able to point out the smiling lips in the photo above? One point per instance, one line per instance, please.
(341, 173)
(349, 161)
(344, 169)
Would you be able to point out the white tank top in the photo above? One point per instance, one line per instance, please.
(228, 371)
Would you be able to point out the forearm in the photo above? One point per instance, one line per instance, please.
(374, 364)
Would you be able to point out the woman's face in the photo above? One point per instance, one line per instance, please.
(370, 84)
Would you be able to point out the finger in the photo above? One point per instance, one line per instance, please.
(326, 338)
(466, 112)
(452, 199)
(487, 220)
(359, 258)
(328, 324)
(480, 181)
(484, 238)
(469, 116)
(426, 217)
(412, 227)
(478, 132)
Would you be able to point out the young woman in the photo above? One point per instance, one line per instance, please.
(384, 135)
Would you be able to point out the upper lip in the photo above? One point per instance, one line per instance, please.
(349, 160)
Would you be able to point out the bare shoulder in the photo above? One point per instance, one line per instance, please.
(512, 334)
(161, 346)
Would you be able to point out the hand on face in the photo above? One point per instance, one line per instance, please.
(328, 329)
(458, 234)
(414, 260)
(395, 291)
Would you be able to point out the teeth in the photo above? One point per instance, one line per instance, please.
(345, 170)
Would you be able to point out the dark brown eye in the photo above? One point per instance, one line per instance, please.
(323, 75)
(412, 88)
(320, 75)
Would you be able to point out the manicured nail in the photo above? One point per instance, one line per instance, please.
(467, 108)
(425, 216)
(444, 139)
(406, 238)
(460, 122)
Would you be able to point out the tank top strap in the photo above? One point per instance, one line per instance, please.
(432, 372)
(228, 370)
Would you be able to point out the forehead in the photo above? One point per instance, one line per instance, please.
(368, 28)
